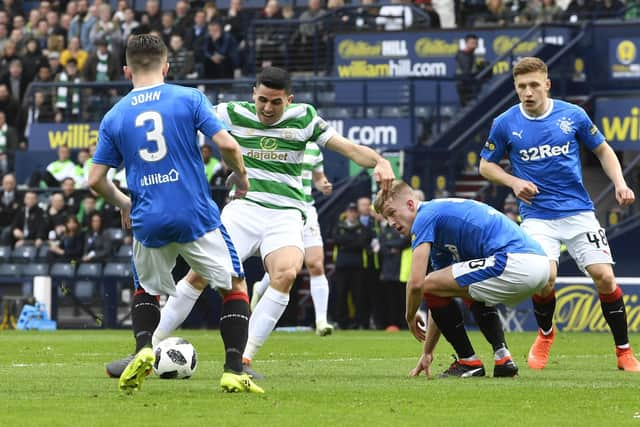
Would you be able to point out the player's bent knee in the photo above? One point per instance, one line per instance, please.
(197, 281)
(283, 280)
(315, 268)
(435, 301)
(238, 285)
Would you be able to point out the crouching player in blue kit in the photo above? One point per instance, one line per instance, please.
(153, 131)
(542, 137)
(477, 253)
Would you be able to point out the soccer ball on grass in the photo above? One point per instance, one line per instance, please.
(176, 358)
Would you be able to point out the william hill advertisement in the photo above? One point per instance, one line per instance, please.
(617, 119)
(624, 58)
(50, 136)
(428, 54)
(577, 307)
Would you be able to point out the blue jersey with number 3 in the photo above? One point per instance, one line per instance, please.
(463, 230)
(546, 151)
(153, 130)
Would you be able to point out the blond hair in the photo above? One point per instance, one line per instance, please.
(529, 64)
(398, 188)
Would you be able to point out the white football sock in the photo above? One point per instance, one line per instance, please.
(260, 287)
(501, 353)
(320, 296)
(175, 310)
(264, 319)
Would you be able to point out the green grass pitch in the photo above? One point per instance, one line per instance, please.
(348, 379)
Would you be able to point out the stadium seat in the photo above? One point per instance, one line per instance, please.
(116, 235)
(84, 289)
(125, 252)
(35, 269)
(117, 269)
(306, 97)
(63, 270)
(90, 270)
(42, 252)
(5, 253)
(10, 269)
(24, 254)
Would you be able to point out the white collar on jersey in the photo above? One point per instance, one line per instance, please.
(543, 116)
(146, 87)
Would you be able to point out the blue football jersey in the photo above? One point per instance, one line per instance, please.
(545, 150)
(153, 130)
(462, 230)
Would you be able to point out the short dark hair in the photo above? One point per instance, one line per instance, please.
(145, 52)
(275, 78)
(470, 36)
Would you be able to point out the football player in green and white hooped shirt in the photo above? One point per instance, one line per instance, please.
(273, 134)
(312, 174)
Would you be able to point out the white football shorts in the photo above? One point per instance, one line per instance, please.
(212, 256)
(585, 240)
(255, 229)
(503, 278)
(311, 234)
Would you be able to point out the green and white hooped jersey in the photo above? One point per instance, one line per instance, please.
(274, 155)
(312, 163)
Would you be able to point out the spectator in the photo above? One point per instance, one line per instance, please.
(31, 62)
(38, 111)
(15, 80)
(69, 247)
(181, 60)
(107, 30)
(218, 181)
(56, 172)
(338, 17)
(118, 15)
(32, 24)
(4, 36)
(29, 225)
(211, 164)
(87, 207)
(427, 7)
(56, 216)
(10, 204)
(41, 34)
(54, 27)
(102, 65)
(71, 196)
(371, 305)
(467, 66)
(211, 12)
(309, 30)
(81, 24)
(183, 20)
(97, 246)
(392, 243)
(496, 15)
(608, 9)
(54, 64)
(237, 22)
(82, 158)
(9, 53)
(365, 16)
(75, 52)
(153, 14)
(129, 23)
(9, 105)
(351, 239)
(541, 11)
(67, 98)
(219, 53)
(396, 16)
(168, 27)
(195, 36)
(8, 144)
(633, 10)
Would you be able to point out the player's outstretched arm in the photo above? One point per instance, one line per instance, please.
(100, 184)
(232, 156)
(431, 340)
(365, 157)
(611, 166)
(321, 183)
(524, 190)
(419, 263)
